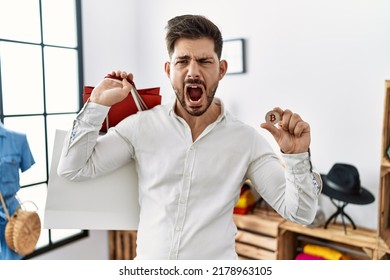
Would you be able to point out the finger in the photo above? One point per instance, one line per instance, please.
(272, 129)
(285, 121)
(300, 128)
(294, 119)
(124, 75)
(130, 76)
(279, 110)
(126, 86)
(118, 74)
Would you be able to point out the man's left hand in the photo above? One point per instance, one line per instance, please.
(291, 133)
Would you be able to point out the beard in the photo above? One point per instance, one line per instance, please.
(195, 111)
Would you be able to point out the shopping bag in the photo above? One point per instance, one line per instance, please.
(108, 202)
(149, 96)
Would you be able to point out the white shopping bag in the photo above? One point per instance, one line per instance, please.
(109, 202)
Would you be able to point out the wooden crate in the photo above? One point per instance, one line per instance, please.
(257, 236)
(360, 243)
(122, 244)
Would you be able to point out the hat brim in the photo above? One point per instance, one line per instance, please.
(363, 197)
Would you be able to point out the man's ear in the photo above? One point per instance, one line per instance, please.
(223, 66)
(167, 68)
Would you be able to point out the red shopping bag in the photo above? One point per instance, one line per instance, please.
(147, 98)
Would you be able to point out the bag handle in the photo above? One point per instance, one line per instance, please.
(4, 206)
(139, 102)
(141, 106)
(22, 205)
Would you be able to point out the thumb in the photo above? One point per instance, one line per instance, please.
(271, 128)
(126, 86)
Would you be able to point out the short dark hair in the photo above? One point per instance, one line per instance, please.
(192, 27)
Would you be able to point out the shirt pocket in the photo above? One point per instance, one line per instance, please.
(9, 168)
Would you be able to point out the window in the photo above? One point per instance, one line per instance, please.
(41, 79)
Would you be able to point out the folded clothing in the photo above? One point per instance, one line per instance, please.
(304, 257)
(322, 251)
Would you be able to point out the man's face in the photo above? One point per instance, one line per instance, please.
(194, 72)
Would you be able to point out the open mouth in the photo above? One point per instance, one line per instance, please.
(194, 93)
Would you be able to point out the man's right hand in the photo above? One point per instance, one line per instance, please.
(111, 90)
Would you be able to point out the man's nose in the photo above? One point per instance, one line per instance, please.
(193, 70)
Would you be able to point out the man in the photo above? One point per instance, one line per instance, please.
(192, 156)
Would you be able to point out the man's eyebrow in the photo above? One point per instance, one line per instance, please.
(183, 57)
(202, 58)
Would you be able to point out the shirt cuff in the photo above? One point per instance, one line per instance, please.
(93, 113)
(297, 163)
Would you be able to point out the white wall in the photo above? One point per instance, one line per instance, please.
(325, 59)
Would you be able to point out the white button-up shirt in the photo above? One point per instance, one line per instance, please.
(188, 189)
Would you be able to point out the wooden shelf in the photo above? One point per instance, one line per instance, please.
(386, 162)
(385, 166)
(359, 237)
(362, 241)
(384, 190)
(265, 235)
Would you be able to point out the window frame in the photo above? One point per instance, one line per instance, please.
(79, 49)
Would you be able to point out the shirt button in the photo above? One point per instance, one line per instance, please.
(178, 228)
(182, 201)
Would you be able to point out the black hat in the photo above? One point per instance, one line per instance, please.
(343, 183)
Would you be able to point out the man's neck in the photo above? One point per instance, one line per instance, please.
(198, 124)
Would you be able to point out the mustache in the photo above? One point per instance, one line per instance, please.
(194, 81)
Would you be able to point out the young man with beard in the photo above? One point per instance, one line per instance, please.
(193, 156)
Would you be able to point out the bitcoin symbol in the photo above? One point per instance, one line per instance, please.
(272, 117)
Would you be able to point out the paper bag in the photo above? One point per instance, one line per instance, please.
(108, 202)
(150, 96)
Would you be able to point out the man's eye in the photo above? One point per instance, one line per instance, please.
(206, 61)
